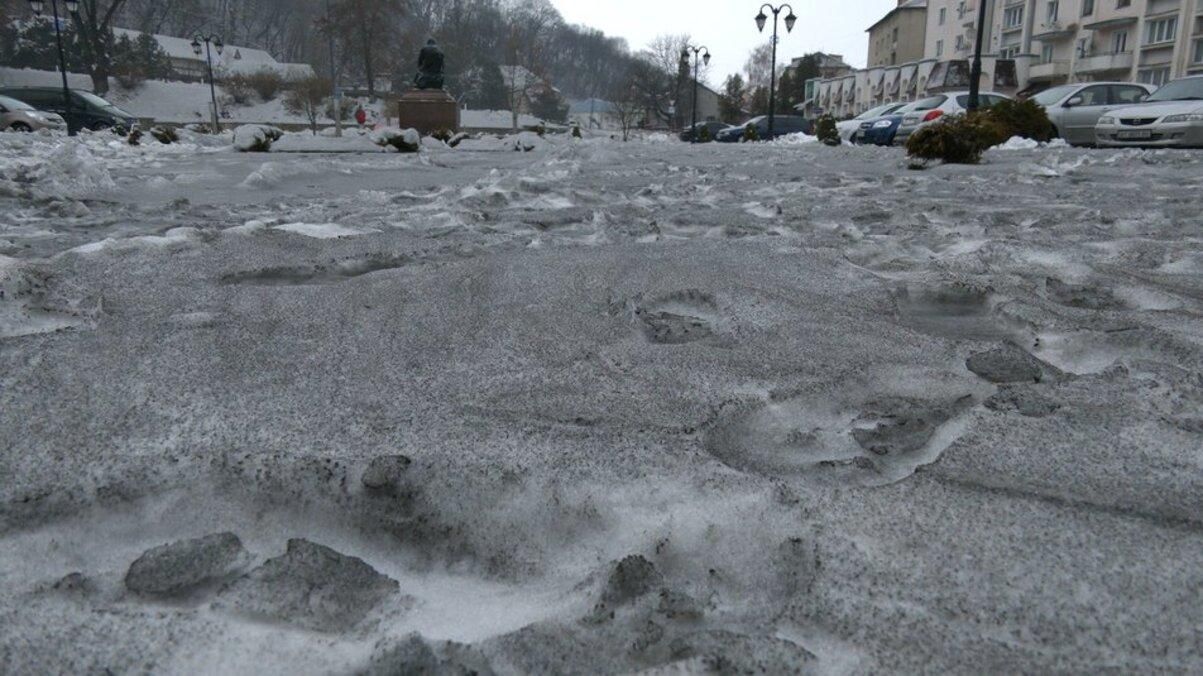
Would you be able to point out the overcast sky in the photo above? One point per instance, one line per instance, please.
(728, 28)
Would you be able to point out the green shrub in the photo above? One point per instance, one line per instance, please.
(751, 133)
(704, 135)
(826, 131)
(956, 139)
(134, 138)
(443, 135)
(576, 131)
(1027, 119)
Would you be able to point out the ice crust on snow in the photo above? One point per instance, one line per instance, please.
(539, 411)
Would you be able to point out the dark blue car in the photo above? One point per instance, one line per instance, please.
(882, 130)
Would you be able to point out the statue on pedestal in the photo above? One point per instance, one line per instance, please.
(430, 67)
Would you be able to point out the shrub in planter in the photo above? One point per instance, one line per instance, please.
(455, 140)
(826, 131)
(1026, 119)
(443, 135)
(751, 133)
(165, 135)
(134, 138)
(252, 138)
(403, 141)
(576, 131)
(955, 139)
(704, 135)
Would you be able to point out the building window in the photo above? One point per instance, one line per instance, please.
(1009, 52)
(1197, 54)
(1013, 17)
(940, 48)
(1155, 76)
(1120, 4)
(1087, 7)
(943, 15)
(1046, 54)
(1119, 42)
(960, 43)
(961, 9)
(1054, 8)
(1161, 30)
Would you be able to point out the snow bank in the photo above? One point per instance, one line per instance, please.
(305, 142)
(796, 139)
(252, 138)
(58, 168)
(323, 230)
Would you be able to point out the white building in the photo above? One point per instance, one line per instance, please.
(233, 59)
(1031, 45)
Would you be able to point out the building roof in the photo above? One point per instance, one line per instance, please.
(234, 58)
(591, 106)
(903, 6)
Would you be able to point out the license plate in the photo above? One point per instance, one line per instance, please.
(1129, 135)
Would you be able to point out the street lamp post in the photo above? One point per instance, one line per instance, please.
(704, 53)
(790, 20)
(975, 71)
(216, 43)
(72, 7)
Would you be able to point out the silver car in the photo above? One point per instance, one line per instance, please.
(20, 116)
(1075, 109)
(1170, 118)
(927, 111)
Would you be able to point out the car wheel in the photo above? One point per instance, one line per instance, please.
(21, 127)
(102, 126)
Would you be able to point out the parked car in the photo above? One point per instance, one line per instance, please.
(20, 116)
(935, 107)
(881, 130)
(84, 110)
(782, 125)
(1171, 117)
(849, 129)
(1075, 109)
(712, 127)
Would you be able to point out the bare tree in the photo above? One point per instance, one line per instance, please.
(94, 23)
(627, 108)
(362, 26)
(308, 98)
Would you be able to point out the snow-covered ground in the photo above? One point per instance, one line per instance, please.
(599, 407)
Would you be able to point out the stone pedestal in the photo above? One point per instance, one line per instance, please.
(428, 110)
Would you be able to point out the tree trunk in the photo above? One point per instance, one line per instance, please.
(367, 65)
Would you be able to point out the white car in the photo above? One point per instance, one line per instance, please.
(932, 108)
(1171, 118)
(849, 128)
(1075, 109)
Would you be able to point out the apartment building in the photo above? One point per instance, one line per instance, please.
(1151, 41)
(1029, 45)
(899, 37)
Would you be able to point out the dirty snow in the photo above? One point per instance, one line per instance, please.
(601, 407)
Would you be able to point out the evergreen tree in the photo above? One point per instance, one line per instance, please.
(731, 105)
(493, 95)
(548, 105)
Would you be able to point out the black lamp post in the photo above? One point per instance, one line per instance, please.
(216, 43)
(72, 7)
(704, 53)
(975, 71)
(790, 20)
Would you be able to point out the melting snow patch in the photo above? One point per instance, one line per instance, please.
(322, 230)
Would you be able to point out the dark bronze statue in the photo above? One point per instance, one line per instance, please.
(430, 67)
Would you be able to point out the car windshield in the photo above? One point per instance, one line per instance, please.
(875, 112)
(13, 104)
(1189, 89)
(1049, 97)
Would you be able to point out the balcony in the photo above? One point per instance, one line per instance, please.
(1102, 63)
(1051, 32)
(1049, 71)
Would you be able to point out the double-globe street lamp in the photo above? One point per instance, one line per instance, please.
(211, 42)
(72, 7)
(790, 20)
(704, 54)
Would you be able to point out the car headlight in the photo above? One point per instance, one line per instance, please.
(1189, 117)
(1106, 120)
(882, 124)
